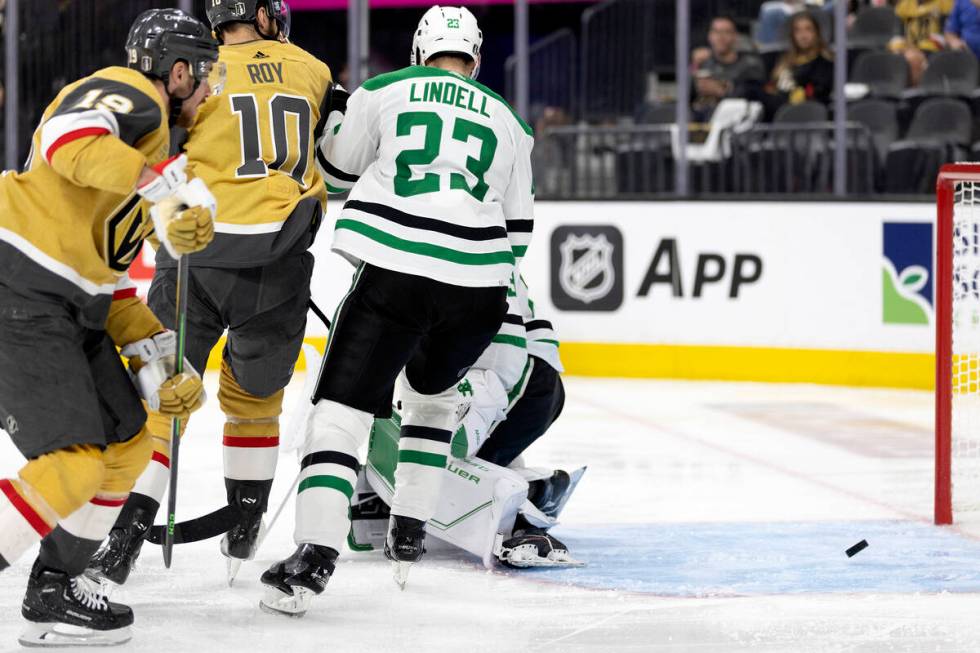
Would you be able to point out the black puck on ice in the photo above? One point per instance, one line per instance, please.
(857, 548)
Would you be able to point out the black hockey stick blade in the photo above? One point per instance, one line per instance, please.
(204, 527)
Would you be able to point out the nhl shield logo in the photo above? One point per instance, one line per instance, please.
(587, 268)
(586, 272)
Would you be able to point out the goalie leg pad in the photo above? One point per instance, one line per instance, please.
(423, 450)
(328, 474)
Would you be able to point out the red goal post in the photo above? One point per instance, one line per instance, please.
(957, 282)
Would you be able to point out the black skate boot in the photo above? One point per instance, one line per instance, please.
(240, 542)
(548, 495)
(117, 556)
(531, 546)
(71, 611)
(404, 546)
(292, 583)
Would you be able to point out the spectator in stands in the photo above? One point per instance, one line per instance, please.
(963, 26)
(806, 70)
(774, 14)
(923, 20)
(723, 71)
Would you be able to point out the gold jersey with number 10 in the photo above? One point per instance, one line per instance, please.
(252, 144)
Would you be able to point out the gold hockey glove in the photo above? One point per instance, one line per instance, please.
(181, 395)
(189, 230)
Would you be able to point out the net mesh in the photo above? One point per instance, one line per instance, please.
(965, 424)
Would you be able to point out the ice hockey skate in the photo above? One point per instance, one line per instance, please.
(71, 611)
(239, 543)
(534, 547)
(117, 556)
(292, 583)
(404, 546)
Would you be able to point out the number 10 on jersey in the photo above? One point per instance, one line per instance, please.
(280, 106)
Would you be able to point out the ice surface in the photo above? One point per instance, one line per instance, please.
(714, 518)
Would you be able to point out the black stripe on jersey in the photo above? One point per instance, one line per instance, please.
(333, 171)
(510, 318)
(426, 433)
(427, 224)
(522, 226)
(136, 113)
(335, 457)
(538, 324)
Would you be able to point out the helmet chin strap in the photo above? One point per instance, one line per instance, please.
(177, 103)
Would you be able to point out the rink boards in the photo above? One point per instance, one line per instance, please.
(838, 293)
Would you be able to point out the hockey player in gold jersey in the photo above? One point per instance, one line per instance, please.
(252, 143)
(99, 181)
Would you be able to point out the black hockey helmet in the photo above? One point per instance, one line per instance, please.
(222, 12)
(159, 38)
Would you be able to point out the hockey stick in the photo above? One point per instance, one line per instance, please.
(183, 277)
(220, 521)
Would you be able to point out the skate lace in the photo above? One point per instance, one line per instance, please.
(90, 592)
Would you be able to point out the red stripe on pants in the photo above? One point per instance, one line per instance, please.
(24, 508)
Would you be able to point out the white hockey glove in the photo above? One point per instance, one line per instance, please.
(183, 211)
(482, 404)
(151, 364)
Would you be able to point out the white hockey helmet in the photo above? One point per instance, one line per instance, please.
(447, 29)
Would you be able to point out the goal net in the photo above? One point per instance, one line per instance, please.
(958, 344)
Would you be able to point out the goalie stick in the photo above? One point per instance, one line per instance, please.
(220, 521)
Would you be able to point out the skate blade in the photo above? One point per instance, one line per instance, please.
(400, 572)
(232, 567)
(526, 557)
(44, 635)
(542, 563)
(278, 602)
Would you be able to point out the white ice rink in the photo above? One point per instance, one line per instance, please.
(714, 517)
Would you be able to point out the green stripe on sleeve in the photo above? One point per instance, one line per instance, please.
(332, 482)
(334, 189)
(504, 339)
(519, 250)
(424, 249)
(550, 342)
(421, 458)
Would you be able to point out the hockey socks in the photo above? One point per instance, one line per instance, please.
(422, 455)
(21, 523)
(77, 537)
(250, 451)
(329, 473)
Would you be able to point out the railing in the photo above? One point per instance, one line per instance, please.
(620, 46)
(57, 43)
(790, 159)
(637, 161)
(554, 62)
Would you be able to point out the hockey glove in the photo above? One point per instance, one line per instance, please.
(183, 211)
(151, 365)
(332, 110)
(181, 395)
